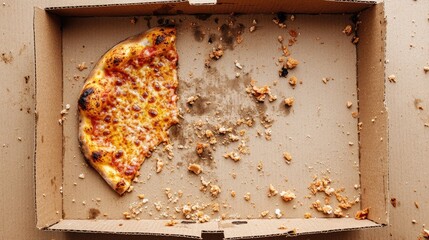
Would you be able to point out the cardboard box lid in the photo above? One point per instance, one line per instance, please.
(167, 7)
(232, 229)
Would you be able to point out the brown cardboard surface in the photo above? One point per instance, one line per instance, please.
(222, 6)
(373, 114)
(407, 24)
(314, 131)
(49, 154)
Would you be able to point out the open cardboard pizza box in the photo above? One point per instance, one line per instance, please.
(318, 131)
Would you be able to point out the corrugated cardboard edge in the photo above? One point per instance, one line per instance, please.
(167, 7)
(48, 133)
(374, 152)
(262, 228)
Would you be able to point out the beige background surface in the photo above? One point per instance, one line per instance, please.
(407, 53)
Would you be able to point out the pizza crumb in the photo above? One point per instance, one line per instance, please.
(252, 28)
(289, 101)
(413, 221)
(140, 196)
(81, 66)
(426, 69)
(259, 93)
(247, 196)
(393, 201)
(260, 166)
(81, 176)
(425, 233)
(287, 157)
(127, 215)
(233, 194)
(191, 100)
(272, 191)
(215, 190)
(170, 223)
(355, 114)
(392, 78)
(282, 227)
(351, 143)
(291, 63)
(355, 39)
(348, 30)
(159, 165)
(195, 168)
(264, 213)
(280, 39)
(133, 20)
(338, 212)
(349, 104)
(287, 195)
(232, 155)
(416, 204)
(362, 214)
(217, 52)
(130, 189)
(307, 215)
(292, 81)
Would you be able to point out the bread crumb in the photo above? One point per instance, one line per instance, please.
(232, 155)
(260, 166)
(289, 101)
(247, 196)
(348, 30)
(215, 190)
(338, 212)
(392, 78)
(171, 223)
(362, 214)
(292, 81)
(282, 227)
(272, 191)
(195, 168)
(264, 213)
(191, 100)
(287, 157)
(307, 215)
(291, 63)
(159, 165)
(287, 195)
(233, 194)
(349, 104)
(81, 176)
(81, 66)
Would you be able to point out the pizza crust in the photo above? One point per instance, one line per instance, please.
(127, 105)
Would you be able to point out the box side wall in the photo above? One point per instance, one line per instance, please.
(372, 113)
(222, 7)
(48, 155)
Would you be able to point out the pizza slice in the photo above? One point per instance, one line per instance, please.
(127, 105)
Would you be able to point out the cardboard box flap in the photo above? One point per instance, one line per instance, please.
(209, 6)
(137, 227)
(270, 227)
(373, 114)
(48, 160)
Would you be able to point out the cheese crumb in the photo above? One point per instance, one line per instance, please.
(278, 213)
(159, 165)
(195, 168)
